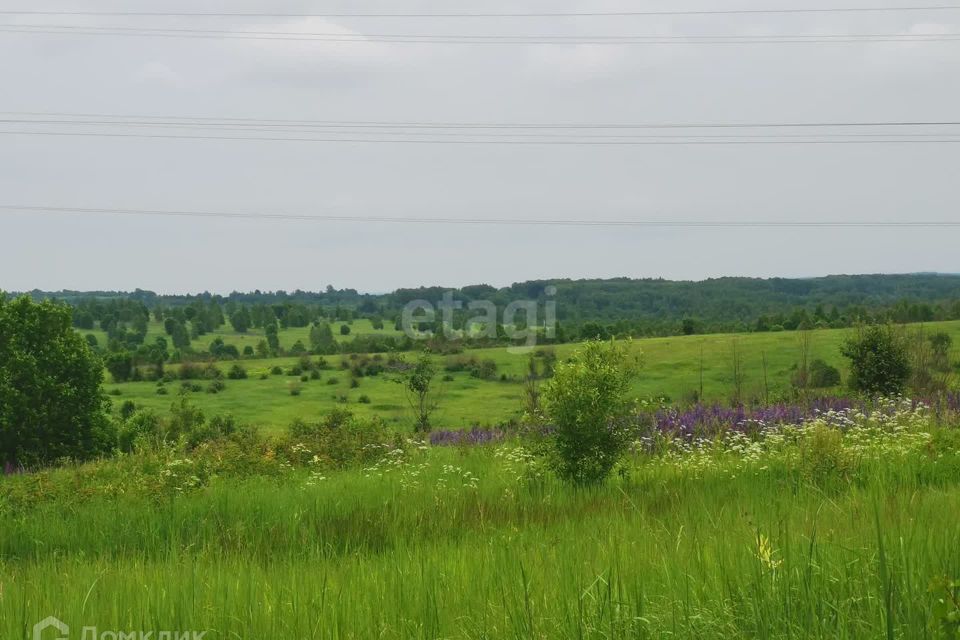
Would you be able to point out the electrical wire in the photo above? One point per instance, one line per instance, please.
(660, 223)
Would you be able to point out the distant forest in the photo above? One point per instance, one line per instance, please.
(585, 308)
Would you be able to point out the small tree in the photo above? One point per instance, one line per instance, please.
(273, 340)
(585, 400)
(417, 381)
(879, 364)
(240, 319)
(120, 365)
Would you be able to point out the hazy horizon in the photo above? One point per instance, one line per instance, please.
(320, 289)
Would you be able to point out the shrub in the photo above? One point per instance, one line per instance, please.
(127, 409)
(304, 378)
(143, 427)
(364, 399)
(333, 381)
(212, 372)
(585, 400)
(298, 348)
(484, 370)
(216, 386)
(277, 371)
(337, 440)
(190, 371)
(294, 389)
(822, 375)
(237, 372)
(315, 374)
(879, 364)
(354, 383)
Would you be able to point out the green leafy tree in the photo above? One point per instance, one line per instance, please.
(240, 319)
(120, 365)
(585, 401)
(421, 393)
(273, 340)
(51, 402)
(879, 363)
(321, 338)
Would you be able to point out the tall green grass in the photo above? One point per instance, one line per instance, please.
(661, 551)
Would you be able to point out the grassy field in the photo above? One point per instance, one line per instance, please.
(671, 369)
(758, 541)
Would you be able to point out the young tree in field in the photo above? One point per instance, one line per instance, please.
(240, 319)
(51, 403)
(273, 340)
(585, 400)
(421, 393)
(321, 338)
(879, 363)
(120, 365)
(177, 332)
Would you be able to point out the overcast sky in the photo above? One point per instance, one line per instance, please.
(485, 83)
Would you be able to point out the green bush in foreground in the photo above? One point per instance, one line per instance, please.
(879, 364)
(586, 397)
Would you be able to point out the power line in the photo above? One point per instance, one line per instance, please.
(489, 125)
(489, 40)
(661, 223)
(576, 14)
(462, 134)
(619, 142)
(528, 37)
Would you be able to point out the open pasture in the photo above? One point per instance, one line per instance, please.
(671, 369)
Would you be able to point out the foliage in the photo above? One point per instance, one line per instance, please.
(417, 381)
(585, 401)
(237, 372)
(879, 364)
(338, 440)
(51, 402)
(823, 375)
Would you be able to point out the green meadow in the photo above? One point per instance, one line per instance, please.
(288, 337)
(757, 540)
(672, 368)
